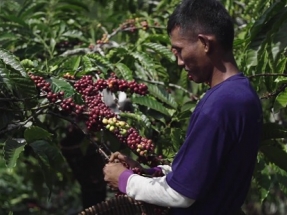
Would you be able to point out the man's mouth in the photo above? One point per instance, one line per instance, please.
(190, 77)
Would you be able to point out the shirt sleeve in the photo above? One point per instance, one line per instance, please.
(199, 159)
(155, 191)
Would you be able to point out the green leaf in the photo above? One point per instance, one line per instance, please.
(147, 62)
(34, 133)
(158, 38)
(281, 80)
(59, 85)
(11, 60)
(282, 179)
(281, 66)
(50, 159)
(140, 71)
(12, 150)
(162, 95)
(79, 4)
(76, 63)
(23, 86)
(12, 78)
(139, 117)
(100, 61)
(177, 136)
(5, 116)
(151, 103)
(273, 131)
(275, 155)
(162, 50)
(252, 57)
(280, 101)
(279, 41)
(188, 106)
(15, 19)
(126, 73)
(8, 36)
(183, 81)
(87, 63)
(48, 154)
(27, 63)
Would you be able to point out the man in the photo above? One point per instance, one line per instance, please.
(212, 171)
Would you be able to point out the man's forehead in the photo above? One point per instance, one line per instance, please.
(178, 34)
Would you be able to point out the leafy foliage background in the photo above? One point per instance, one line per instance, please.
(56, 37)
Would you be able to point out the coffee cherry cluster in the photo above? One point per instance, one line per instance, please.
(41, 83)
(133, 24)
(141, 145)
(97, 115)
(127, 135)
(103, 40)
(67, 105)
(53, 97)
(87, 86)
(151, 160)
(144, 24)
(67, 44)
(45, 87)
(128, 24)
(68, 76)
(113, 124)
(96, 108)
(115, 85)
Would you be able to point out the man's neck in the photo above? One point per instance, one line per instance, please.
(224, 68)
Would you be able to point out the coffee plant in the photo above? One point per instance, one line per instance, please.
(68, 71)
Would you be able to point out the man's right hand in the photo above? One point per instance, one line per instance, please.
(119, 157)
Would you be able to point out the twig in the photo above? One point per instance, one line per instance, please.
(11, 110)
(276, 93)
(170, 85)
(11, 100)
(16, 99)
(267, 74)
(12, 127)
(120, 29)
(76, 51)
(96, 48)
(99, 47)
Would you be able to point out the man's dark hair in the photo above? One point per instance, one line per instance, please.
(206, 17)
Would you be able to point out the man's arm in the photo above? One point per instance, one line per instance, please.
(152, 190)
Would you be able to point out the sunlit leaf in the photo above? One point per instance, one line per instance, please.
(125, 72)
(11, 60)
(151, 103)
(162, 95)
(280, 101)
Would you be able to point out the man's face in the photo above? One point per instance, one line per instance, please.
(191, 55)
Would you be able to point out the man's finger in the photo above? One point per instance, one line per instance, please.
(114, 156)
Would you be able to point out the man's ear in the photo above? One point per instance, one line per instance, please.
(207, 41)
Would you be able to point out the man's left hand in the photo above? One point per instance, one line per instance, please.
(112, 172)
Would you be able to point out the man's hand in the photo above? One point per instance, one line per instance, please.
(112, 172)
(117, 156)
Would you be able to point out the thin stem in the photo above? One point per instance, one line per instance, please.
(267, 74)
(276, 93)
(170, 85)
(11, 110)
(12, 127)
